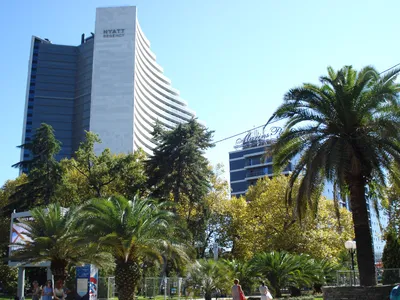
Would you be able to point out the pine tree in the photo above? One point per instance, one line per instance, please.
(44, 171)
(178, 171)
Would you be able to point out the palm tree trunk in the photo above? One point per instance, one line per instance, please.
(58, 269)
(362, 230)
(127, 276)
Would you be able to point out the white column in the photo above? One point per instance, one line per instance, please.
(215, 248)
(21, 283)
(49, 274)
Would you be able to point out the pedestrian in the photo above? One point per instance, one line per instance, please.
(237, 292)
(47, 292)
(35, 291)
(59, 293)
(395, 293)
(265, 294)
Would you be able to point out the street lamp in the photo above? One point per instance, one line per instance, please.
(351, 247)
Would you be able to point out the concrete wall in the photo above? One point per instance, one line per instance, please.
(357, 293)
(111, 112)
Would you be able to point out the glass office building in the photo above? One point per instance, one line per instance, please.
(249, 161)
(110, 84)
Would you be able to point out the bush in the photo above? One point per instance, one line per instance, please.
(8, 279)
(390, 258)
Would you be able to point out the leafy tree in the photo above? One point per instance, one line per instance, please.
(132, 231)
(262, 222)
(390, 257)
(346, 131)
(9, 277)
(214, 216)
(178, 171)
(44, 171)
(55, 237)
(212, 276)
(90, 175)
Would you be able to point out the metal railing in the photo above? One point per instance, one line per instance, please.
(106, 288)
(352, 278)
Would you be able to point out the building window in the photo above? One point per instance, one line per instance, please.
(28, 131)
(30, 106)
(26, 155)
(30, 99)
(29, 123)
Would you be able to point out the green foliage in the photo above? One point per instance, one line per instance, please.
(90, 175)
(214, 217)
(262, 222)
(9, 277)
(213, 277)
(178, 171)
(55, 237)
(44, 175)
(390, 257)
(243, 272)
(282, 269)
(132, 231)
(346, 131)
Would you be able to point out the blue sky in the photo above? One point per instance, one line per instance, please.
(231, 60)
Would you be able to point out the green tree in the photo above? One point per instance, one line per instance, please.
(346, 131)
(44, 171)
(215, 230)
(390, 257)
(90, 175)
(212, 276)
(178, 171)
(132, 231)
(262, 222)
(54, 236)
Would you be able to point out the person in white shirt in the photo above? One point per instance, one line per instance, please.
(265, 294)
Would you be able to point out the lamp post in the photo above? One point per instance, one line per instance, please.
(351, 247)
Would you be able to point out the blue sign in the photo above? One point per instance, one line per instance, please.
(86, 282)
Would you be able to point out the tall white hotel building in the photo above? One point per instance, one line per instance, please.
(110, 84)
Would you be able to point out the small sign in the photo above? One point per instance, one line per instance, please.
(257, 137)
(112, 33)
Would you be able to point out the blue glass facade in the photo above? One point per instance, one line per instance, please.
(59, 92)
(247, 166)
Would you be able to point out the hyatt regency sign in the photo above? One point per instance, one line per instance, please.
(258, 138)
(111, 33)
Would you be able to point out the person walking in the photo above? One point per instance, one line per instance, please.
(265, 294)
(237, 292)
(35, 291)
(59, 293)
(47, 292)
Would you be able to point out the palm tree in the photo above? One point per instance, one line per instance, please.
(209, 275)
(347, 131)
(132, 231)
(53, 235)
(283, 270)
(243, 272)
